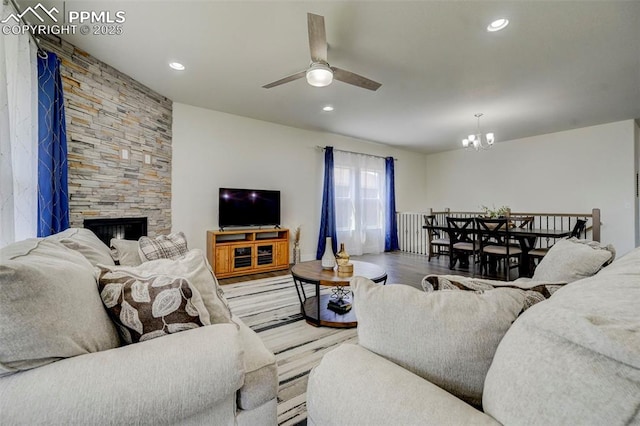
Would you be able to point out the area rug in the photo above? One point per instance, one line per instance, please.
(271, 308)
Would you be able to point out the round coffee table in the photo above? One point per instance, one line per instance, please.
(314, 308)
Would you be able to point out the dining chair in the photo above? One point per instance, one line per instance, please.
(522, 222)
(493, 235)
(437, 240)
(462, 240)
(539, 253)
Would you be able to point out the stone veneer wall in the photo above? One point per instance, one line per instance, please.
(107, 111)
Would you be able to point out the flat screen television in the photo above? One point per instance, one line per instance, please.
(248, 207)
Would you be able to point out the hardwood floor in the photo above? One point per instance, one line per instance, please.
(409, 268)
(401, 267)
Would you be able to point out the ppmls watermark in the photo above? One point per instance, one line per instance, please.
(92, 22)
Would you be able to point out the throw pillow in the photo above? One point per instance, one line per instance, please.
(125, 252)
(572, 259)
(172, 246)
(49, 306)
(149, 305)
(534, 291)
(446, 337)
(86, 243)
(195, 269)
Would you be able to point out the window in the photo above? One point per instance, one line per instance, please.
(371, 187)
(359, 182)
(344, 213)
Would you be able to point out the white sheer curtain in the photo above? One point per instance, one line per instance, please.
(18, 136)
(360, 194)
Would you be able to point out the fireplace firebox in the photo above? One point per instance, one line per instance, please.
(127, 228)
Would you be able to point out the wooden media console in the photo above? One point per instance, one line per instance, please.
(242, 252)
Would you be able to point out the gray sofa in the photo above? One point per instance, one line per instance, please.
(62, 361)
(572, 359)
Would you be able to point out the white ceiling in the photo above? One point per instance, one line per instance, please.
(559, 65)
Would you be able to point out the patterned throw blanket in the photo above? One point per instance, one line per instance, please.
(534, 291)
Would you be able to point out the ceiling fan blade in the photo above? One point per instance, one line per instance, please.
(317, 38)
(287, 79)
(355, 79)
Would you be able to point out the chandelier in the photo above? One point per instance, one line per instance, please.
(476, 141)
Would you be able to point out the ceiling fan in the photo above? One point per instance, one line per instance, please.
(320, 73)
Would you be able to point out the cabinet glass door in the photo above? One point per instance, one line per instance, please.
(265, 254)
(242, 257)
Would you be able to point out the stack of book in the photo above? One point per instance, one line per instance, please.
(339, 306)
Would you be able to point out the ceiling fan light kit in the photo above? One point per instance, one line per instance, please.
(320, 73)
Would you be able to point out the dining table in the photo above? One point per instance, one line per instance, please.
(526, 238)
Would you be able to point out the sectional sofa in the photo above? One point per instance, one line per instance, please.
(492, 356)
(65, 361)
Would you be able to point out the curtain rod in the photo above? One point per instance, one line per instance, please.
(359, 153)
(25, 23)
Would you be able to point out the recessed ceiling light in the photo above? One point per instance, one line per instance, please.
(327, 108)
(176, 66)
(498, 24)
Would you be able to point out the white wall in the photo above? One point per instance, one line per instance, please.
(213, 149)
(572, 172)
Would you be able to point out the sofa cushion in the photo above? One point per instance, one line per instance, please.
(452, 335)
(172, 246)
(572, 259)
(125, 252)
(50, 308)
(581, 349)
(261, 371)
(146, 305)
(353, 386)
(86, 243)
